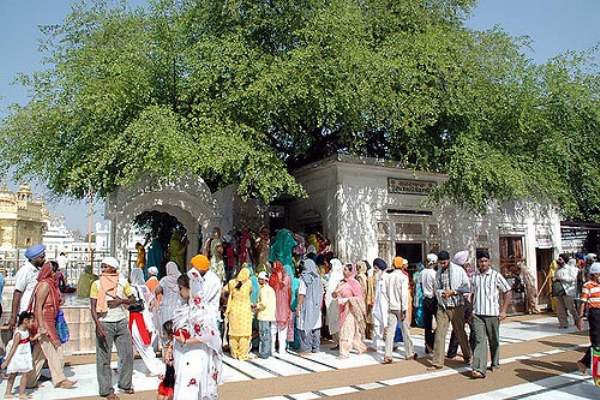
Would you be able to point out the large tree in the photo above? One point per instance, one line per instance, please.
(246, 91)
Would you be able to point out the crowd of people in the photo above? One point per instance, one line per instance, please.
(289, 293)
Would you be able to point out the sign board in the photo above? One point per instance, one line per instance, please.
(410, 186)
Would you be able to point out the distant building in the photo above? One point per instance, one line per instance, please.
(23, 220)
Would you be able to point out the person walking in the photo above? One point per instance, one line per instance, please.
(197, 349)
(380, 304)
(25, 281)
(308, 309)
(396, 288)
(590, 297)
(45, 303)
(239, 313)
(167, 291)
(109, 295)
(452, 283)
(430, 304)
(488, 286)
(282, 285)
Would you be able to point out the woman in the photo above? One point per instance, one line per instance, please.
(142, 328)
(352, 312)
(331, 304)
(197, 348)
(46, 303)
(169, 289)
(239, 313)
(282, 284)
(85, 282)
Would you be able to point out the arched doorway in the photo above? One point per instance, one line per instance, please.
(189, 200)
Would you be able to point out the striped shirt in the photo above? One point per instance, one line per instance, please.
(486, 290)
(591, 294)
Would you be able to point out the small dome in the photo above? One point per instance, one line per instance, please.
(6, 194)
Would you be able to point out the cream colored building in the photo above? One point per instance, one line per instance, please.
(23, 220)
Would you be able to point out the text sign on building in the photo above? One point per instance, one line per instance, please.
(410, 186)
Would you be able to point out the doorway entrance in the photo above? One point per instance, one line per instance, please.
(413, 252)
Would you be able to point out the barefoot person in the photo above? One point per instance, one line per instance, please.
(18, 359)
(109, 296)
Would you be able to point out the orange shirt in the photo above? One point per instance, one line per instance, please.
(591, 294)
(152, 283)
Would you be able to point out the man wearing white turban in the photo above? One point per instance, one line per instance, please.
(462, 259)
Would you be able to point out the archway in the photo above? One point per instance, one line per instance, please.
(189, 200)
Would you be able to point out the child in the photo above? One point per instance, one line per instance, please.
(18, 359)
(167, 386)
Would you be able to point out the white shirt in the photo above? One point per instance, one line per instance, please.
(25, 281)
(62, 262)
(486, 289)
(428, 280)
(396, 288)
(567, 275)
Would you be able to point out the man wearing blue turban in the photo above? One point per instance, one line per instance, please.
(25, 281)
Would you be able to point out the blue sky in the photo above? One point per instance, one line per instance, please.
(554, 26)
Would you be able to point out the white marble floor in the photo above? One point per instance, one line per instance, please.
(290, 364)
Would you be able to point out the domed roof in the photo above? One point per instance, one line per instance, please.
(25, 188)
(7, 195)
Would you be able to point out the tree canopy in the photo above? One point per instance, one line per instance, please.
(245, 91)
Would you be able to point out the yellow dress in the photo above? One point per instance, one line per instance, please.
(239, 309)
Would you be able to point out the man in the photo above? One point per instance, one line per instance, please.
(266, 316)
(396, 289)
(152, 281)
(487, 286)
(308, 308)
(590, 296)
(566, 302)
(217, 264)
(380, 304)
(428, 277)
(62, 262)
(110, 295)
(212, 283)
(462, 259)
(452, 283)
(25, 281)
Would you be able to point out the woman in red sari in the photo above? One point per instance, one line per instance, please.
(352, 320)
(282, 284)
(45, 305)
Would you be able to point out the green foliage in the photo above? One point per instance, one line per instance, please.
(245, 91)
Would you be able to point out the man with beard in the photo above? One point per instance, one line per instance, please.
(25, 281)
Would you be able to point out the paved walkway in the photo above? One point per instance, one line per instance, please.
(524, 342)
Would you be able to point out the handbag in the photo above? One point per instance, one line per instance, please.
(558, 290)
(138, 306)
(61, 327)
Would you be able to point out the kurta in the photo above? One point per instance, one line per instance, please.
(239, 309)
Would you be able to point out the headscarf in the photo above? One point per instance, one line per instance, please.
(281, 249)
(282, 284)
(335, 276)
(170, 280)
(243, 275)
(84, 285)
(47, 275)
(309, 312)
(255, 285)
(200, 321)
(143, 293)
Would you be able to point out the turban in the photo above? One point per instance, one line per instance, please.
(153, 271)
(379, 263)
(398, 262)
(111, 262)
(443, 255)
(35, 251)
(200, 262)
(431, 258)
(595, 268)
(461, 257)
(565, 257)
(263, 275)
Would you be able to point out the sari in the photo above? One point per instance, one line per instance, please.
(352, 319)
(198, 366)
